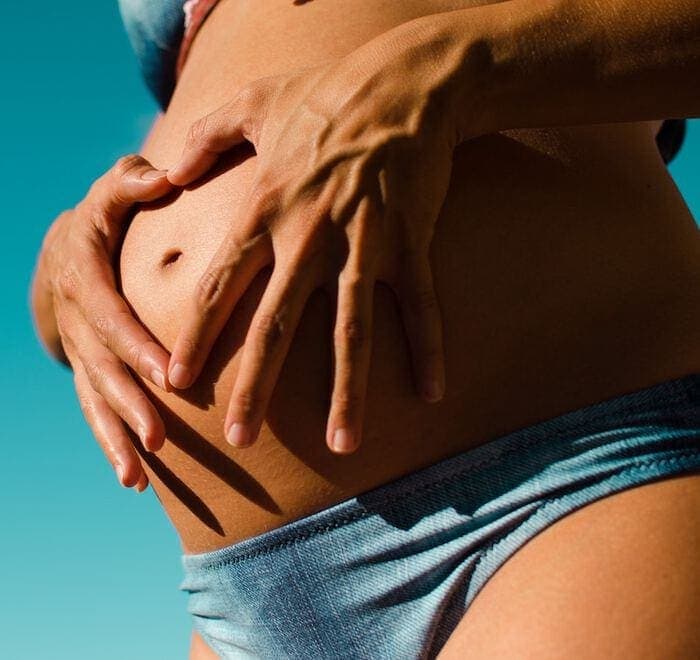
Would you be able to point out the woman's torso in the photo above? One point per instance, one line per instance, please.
(565, 262)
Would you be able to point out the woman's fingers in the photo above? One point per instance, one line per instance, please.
(266, 345)
(227, 277)
(132, 179)
(112, 321)
(142, 482)
(109, 431)
(353, 333)
(88, 279)
(109, 378)
(423, 322)
(218, 132)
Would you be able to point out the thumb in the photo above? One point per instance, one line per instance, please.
(132, 179)
(231, 124)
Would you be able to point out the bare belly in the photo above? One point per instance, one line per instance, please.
(565, 262)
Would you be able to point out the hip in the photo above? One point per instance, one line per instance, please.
(392, 573)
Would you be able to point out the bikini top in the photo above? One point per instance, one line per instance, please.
(161, 34)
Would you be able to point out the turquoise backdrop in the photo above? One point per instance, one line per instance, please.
(89, 571)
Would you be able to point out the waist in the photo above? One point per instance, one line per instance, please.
(565, 263)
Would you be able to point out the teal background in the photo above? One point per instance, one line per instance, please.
(88, 570)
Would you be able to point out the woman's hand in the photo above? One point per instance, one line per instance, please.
(354, 161)
(75, 283)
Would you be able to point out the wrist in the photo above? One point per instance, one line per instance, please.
(495, 81)
(463, 44)
(437, 63)
(542, 63)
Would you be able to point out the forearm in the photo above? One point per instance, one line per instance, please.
(526, 63)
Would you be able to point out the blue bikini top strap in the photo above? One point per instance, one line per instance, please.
(155, 29)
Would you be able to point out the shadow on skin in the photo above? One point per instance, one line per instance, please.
(185, 438)
(300, 402)
(182, 491)
(237, 155)
(226, 161)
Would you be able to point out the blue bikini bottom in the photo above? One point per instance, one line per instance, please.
(389, 574)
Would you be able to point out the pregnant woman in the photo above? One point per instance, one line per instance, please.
(442, 234)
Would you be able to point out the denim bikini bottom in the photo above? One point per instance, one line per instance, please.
(388, 574)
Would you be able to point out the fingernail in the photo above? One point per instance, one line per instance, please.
(179, 376)
(158, 378)
(140, 487)
(433, 391)
(343, 441)
(239, 435)
(153, 175)
(120, 473)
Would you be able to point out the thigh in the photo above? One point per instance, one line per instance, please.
(619, 578)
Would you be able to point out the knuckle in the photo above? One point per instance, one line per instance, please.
(117, 322)
(246, 108)
(270, 329)
(94, 214)
(246, 96)
(209, 289)
(354, 281)
(104, 328)
(69, 281)
(351, 276)
(187, 348)
(351, 332)
(197, 134)
(346, 400)
(98, 372)
(134, 355)
(261, 200)
(125, 165)
(247, 403)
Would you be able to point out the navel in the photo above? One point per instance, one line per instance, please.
(170, 257)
